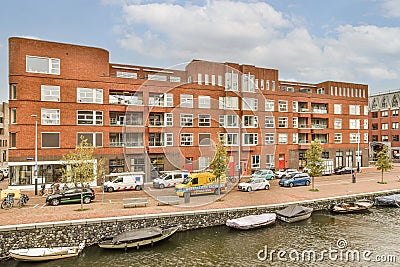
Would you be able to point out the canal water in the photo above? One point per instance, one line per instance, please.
(326, 239)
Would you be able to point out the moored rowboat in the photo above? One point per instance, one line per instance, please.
(252, 221)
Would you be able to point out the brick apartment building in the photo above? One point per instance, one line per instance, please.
(384, 120)
(145, 119)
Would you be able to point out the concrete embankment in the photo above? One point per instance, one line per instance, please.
(66, 233)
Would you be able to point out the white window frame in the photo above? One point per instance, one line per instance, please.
(269, 105)
(204, 119)
(255, 161)
(50, 93)
(232, 81)
(354, 138)
(169, 139)
(229, 102)
(229, 121)
(337, 109)
(186, 139)
(169, 119)
(89, 95)
(283, 106)
(338, 138)
(354, 109)
(204, 101)
(269, 138)
(50, 116)
(53, 65)
(94, 134)
(283, 138)
(268, 120)
(295, 122)
(247, 137)
(95, 113)
(249, 121)
(337, 123)
(186, 120)
(354, 124)
(229, 137)
(186, 101)
(249, 103)
(283, 122)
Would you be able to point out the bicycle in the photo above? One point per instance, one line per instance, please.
(8, 202)
(23, 200)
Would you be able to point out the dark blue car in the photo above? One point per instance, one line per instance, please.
(295, 180)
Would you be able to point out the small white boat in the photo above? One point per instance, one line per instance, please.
(358, 206)
(46, 254)
(294, 213)
(138, 237)
(391, 200)
(252, 221)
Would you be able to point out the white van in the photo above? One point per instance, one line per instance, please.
(170, 179)
(124, 181)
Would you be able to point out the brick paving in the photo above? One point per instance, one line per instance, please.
(110, 205)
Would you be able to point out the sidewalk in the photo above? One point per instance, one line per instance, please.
(110, 205)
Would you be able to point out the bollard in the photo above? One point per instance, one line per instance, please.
(186, 195)
(36, 181)
(353, 178)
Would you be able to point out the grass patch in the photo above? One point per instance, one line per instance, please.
(314, 190)
(219, 200)
(84, 209)
(382, 182)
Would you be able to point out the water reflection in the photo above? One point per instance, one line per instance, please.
(375, 231)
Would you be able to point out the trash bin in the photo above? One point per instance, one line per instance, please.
(353, 178)
(186, 195)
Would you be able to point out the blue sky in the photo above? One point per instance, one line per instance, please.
(309, 41)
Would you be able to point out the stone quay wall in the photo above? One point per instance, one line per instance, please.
(71, 233)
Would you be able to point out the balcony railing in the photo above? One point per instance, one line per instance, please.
(319, 126)
(319, 111)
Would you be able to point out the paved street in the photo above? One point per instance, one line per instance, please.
(110, 204)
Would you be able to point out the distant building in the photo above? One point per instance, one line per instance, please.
(4, 134)
(152, 119)
(384, 123)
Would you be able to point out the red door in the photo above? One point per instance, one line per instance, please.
(281, 161)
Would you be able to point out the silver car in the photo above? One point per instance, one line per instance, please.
(254, 184)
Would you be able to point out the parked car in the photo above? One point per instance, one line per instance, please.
(344, 170)
(71, 196)
(254, 184)
(298, 179)
(283, 173)
(265, 174)
(170, 179)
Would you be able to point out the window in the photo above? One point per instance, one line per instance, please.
(247, 83)
(250, 139)
(89, 95)
(213, 80)
(269, 105)
(13, 115)
(374, 126)
(157, 77)
(273, 86)
(126, 98)
(366, 124)
(13, 91)
(187, 120)
(365, 110)
(155, 139)
(395, 125)
(206, 79)
(186, 139)
(375, 138)
(229, 102)
(354, 138)
(231, 81)
(384, 113)
(321, 91)
(282, 138)
(282, 122)
(90, 117)
(384, 126)
(366, 138)
(229, 121)
(219, 80)
(169, 119)
(133, 139)
(204, 101)
(169, 139)
(338, 138)
(199, 78)
(204, 139)
(354, 109)
(295, 122)
(270, 161)
(50, 93)
(133, 118)
(204, 162)
(255, 161)
(337, 108)
(395, 138)
(295, 138)
(204, 120)
(250, 121)
(93, 139)
(43, 65)
(50, 140)
(186, 101)
(385, 138)
(174, 79)
(249, 104)
(262, 84)
(283, 106)
(50, 116)
(231, 139)
(395, 113)
(161, 100)
(354, 124)
(295, 106)
(269, 122)
(374, 114)
(269, 138)
(123, 74)
(13, 140)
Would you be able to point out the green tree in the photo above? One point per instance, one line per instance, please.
(219, 163)
(383, 162)
(81, 167)
(314, 160)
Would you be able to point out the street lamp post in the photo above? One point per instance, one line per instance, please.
(35, 173)
(358, 149)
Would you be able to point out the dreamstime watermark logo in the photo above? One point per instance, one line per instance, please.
(340, 253)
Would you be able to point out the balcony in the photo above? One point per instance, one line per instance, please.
(319, 126)
(319, 111)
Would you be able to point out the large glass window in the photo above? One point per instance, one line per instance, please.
(161, 100)
(50, 140)
(93, 139)
(50, 116)
(250, 139)
(50, 93)
(229, 121)
(90, 117)
(229, 102)
(43, 65)
(186, 101)
(231, 139)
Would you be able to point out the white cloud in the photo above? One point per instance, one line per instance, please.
(391, 8)
(255, 33)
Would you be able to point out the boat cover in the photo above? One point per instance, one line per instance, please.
(294, 211)
(252, 220)
(137, 234)
(392, 199)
